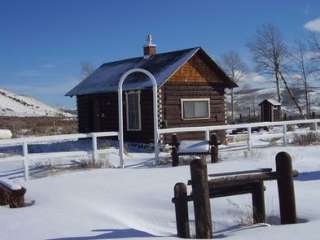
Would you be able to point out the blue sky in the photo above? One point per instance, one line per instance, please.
(43, 43)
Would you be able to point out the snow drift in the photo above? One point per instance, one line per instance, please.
(5, 134)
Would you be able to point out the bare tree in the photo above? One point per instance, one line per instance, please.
(314, 47)
(86, 69)
(304, 68)
(236, 70)
(270, 54)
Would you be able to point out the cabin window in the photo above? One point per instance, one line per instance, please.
(195, 108)
(133, 111)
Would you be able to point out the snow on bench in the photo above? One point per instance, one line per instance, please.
(12, 194)
(11, 185)
(193, 146)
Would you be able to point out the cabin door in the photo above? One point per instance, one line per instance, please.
(96, 116)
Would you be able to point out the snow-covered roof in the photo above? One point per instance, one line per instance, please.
(162, 66)
(272, 101)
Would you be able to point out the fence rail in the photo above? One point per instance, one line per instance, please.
(24, 142)
(247, 126)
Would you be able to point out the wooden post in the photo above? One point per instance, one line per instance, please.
(201, 201)
(174, 151)
(207, 135)
(25, 161)
(249, 139)
(286, 188)
(285, 140)
(214, 148)
(181, 207)
(94, 149)
(258, 206)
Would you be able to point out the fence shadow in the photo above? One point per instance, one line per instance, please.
(308, 176)
(110, 233)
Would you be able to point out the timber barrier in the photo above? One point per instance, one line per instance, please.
(228, 184)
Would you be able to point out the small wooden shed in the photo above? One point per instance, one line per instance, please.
(191, 92)
(270, 110)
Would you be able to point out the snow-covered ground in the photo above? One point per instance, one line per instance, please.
(12, 104)
(135, 202)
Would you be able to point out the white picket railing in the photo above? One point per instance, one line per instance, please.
(248, 126)
(24, 142)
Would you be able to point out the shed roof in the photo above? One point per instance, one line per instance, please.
(271, 101)
(162, 66)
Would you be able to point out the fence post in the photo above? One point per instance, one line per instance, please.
(316, 126)
(207, 135)
(286, 188)
(249, 139)
(25, 160)
(181, 207)
(285, 139)
(201, 201)
(214, 148)
(94, 148)
(258, 206)
(174, 151)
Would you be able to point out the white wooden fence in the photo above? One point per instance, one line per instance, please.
(24, 142)
(247, 126)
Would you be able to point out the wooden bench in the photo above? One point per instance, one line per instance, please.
(11, 194)
(206, 186)
(194, 148)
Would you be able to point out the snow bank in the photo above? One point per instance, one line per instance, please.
(136, 202)
(5, 134)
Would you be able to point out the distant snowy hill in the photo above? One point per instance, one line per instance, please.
(249, 97)
(12, 104)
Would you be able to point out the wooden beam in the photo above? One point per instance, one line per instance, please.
(247, 178)
(262, 170)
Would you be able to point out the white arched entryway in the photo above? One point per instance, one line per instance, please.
(155, 111)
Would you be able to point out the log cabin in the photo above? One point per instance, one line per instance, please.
(191, 92)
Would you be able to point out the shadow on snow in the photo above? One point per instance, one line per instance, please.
(110, 233)
(308, 176)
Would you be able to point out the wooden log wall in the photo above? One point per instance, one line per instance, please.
(99, 112)
(195, 79)
(198, 78)
(171, 105)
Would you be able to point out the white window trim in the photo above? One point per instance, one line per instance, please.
(182, 100)
(139, 110)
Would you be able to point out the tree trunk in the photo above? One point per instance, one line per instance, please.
(232, 105)
(278, 87)
(291, 94)
(306, 90)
